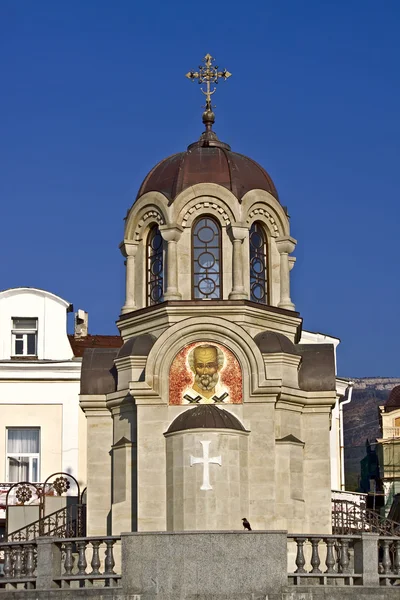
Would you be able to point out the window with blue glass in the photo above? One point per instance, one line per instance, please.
(207, 268)
(258, 264)
(155, 267)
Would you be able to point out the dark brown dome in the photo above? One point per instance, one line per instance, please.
(206, 416)
(393, 402)
(207, 161)
(270, 342)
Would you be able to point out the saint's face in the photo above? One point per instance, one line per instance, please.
(205, 361)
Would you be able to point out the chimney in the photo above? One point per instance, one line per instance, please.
(81, 324)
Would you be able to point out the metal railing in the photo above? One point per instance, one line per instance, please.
(350, 519)
(69, 521)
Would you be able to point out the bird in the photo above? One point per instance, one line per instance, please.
(246, 524)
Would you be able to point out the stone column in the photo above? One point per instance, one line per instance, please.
(129, 249)
(171, 235)
(99, 442)
(237, 233)
(285, 246)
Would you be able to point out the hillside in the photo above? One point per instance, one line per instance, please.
(361, 422)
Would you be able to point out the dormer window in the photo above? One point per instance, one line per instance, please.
(24, 336)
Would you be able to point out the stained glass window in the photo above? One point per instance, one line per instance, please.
(155, 267)
(258, 264)
(206, 244)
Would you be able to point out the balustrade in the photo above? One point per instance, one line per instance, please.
(87, 562)
(389, 560)
(313, 550)
(343, 560)
(19, 565)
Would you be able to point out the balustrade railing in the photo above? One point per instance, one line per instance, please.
(18, 561)
(87, 561)
(389, 560)
(59, 563)
(320, 558)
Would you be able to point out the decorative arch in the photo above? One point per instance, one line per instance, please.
(208, 197)
(206, 259)
(260, 205)
(206, 206)
(199, 329)
(150, 208)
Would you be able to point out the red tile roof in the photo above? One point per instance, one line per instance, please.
(79, 345)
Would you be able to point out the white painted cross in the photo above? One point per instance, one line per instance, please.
(206, 461)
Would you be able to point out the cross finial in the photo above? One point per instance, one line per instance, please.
(209, 75)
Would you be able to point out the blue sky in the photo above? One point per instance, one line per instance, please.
(93, 94)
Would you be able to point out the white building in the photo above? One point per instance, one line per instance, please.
(42, 428)
(343, 396)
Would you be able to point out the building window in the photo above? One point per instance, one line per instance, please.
(22, 454)
(258, 264)
(206, 247)
(24, 337)
(155, 267)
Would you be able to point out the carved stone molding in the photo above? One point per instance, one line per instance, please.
(153, 215)
(210, 206)
(264, 213)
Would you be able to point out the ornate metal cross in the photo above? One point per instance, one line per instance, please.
(206, 461)
(208, 74)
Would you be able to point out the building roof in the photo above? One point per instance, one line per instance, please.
(270, 342)
(393, 402)
(207, 161)
(99, 375)
(139, 345)
(207, 416)
(79, 345)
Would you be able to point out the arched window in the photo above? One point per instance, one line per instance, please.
(206, 251)
(155, 267)
(258, 264)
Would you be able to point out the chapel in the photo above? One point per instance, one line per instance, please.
(212, 410)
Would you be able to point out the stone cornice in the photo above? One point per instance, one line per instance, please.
(207, 430)
(242, 312)
(94, 406)
(40, 370)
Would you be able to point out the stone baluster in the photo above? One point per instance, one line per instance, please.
(129, 250)
(109, 562)
(7, 568)
(69, 559)
(238, 233)
(171, 235)
(95, 564)
(29, 560)
(330, 558)
(300, 560)
(386, 564)
(315, 559)
(396, 560)
(82, 563)
(17, 561)
(285, 246)
(344, 556)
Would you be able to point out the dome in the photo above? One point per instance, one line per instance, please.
(207, 416)
(393, 402)
(139, 345)
(207, 161)
(270, 342)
